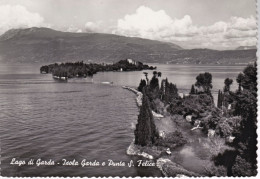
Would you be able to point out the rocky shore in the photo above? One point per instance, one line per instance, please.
(171, 169)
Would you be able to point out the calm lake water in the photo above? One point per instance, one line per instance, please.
(43, 118)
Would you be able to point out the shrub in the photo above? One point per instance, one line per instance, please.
(212, 170)
(172, 140)
(242, 168)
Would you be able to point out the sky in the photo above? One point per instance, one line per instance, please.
(216, 24)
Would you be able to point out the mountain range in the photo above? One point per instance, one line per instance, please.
(48, 45)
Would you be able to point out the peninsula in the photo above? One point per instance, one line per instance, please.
(230, 126)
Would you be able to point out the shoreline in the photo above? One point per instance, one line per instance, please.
(138, 93)
(167, 167)
(139, 100)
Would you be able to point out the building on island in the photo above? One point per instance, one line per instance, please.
(133, 62)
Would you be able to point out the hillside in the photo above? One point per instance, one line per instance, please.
(207, 56)
(47, 45)
(246, 47)
(42, 44)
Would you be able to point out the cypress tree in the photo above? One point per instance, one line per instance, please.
(141, 85)
(220, 99)
(192, 90)
(218, 103)
(162, 90)
(145, 132)
(154, 84)
(239, 80)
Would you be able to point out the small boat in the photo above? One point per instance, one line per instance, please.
(63, 78)
(107, 82)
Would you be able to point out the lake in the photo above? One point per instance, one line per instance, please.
(43, 118)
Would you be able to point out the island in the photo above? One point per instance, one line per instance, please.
(67, 70)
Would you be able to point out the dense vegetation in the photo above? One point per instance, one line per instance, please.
(80, 69)
(233, 119)
(243, 105)
(146, 133)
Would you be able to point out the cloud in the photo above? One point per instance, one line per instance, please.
(100, 27)
(144, 22)
(72, 28)
(18, 17)
(243, 24)
(234, 33)
(94, 26)
(151, 24)
(218, 27)
(157, 25)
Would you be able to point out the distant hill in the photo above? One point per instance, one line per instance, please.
(207, 56)
(246, 47)
(47, 45)
(43, 44)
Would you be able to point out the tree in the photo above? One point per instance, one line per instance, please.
(204, 81)
(168, 91)
(146, 133)
(246, 137)
(44, 69)
(146, 76)
(249, 81)
(228, 82)
(242, 168)
(226, 96)
(155, 73)
(244, 104)
(239, 80)
(154, 84)
(220, 99)
(141, 85)
(192, 90)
